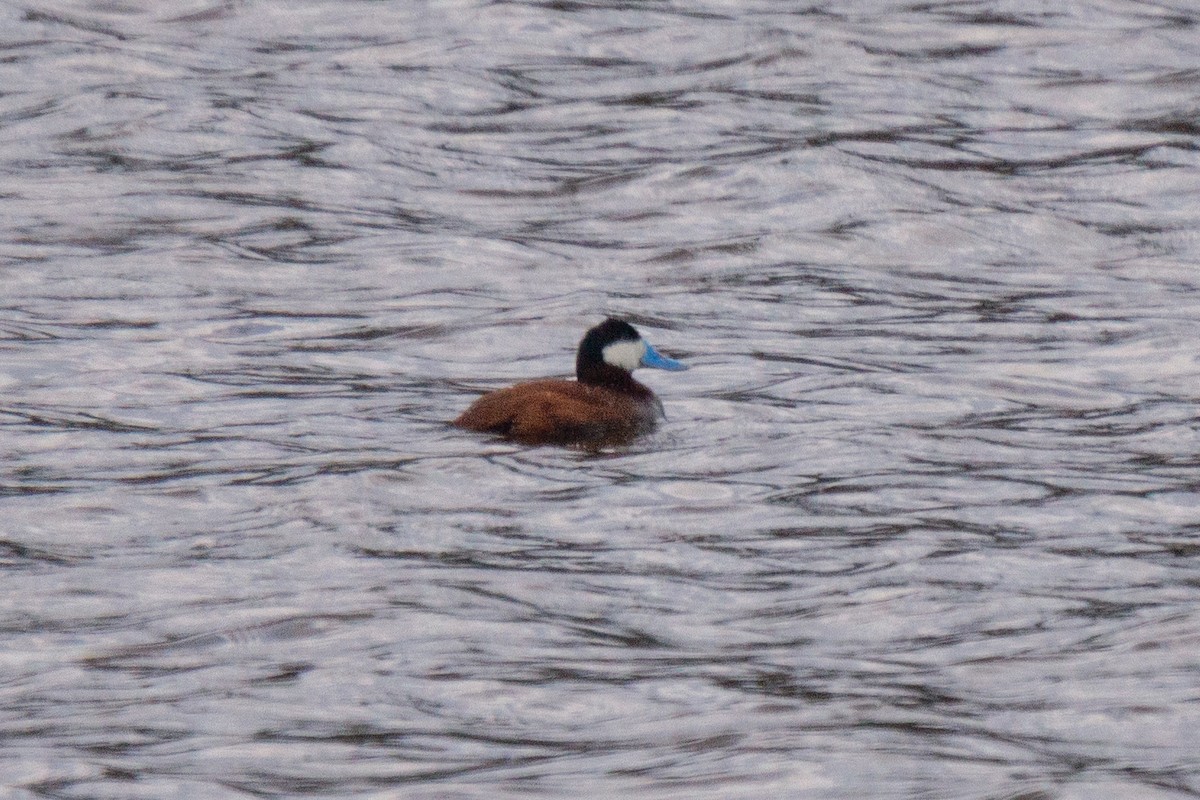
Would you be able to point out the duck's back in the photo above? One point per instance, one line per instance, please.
(561, 411)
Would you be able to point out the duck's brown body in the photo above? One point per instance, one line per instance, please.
(563, 412)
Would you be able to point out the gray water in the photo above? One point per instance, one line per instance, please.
(923, 520)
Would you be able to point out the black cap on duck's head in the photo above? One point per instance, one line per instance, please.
(615, 344)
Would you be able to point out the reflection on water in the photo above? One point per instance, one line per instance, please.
(921, 521)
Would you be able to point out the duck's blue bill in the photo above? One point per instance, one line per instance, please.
(656, 360)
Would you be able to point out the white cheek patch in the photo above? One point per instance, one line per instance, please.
(627, 354)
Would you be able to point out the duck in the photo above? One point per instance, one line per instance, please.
(603, 404)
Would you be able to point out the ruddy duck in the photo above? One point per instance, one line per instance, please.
(603, 404)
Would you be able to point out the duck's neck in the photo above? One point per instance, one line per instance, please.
(609, 377)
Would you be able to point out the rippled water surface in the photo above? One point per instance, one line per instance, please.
(923, 520)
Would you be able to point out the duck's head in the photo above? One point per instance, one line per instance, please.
(616, 344)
